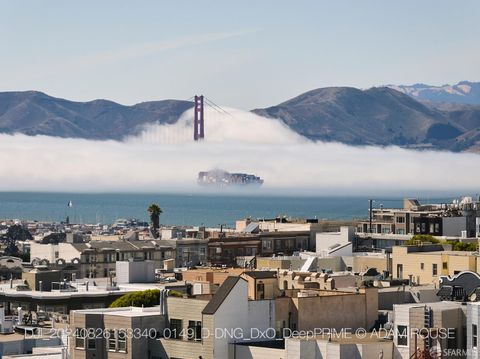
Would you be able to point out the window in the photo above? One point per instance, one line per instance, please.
(175, 328)
(116, 340)
(400, 271)
(422, 266)
(474, 336)
(400, 219)
(194, 330)
(80, 338)
(261, 291)
(402, 337)
(267, 244)
(445, 265)
(434, 269)
(91, 341)
(112, 341)
(122, 341)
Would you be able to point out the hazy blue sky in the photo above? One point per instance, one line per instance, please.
(243, 54)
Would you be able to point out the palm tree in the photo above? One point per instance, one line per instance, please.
(155, 211)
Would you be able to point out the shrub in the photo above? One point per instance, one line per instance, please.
(422, 238)
(146, 298)
(460, 246)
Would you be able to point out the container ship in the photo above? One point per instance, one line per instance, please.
(223, 178)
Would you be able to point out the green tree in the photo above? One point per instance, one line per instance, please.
(155, 211)
(146, 298)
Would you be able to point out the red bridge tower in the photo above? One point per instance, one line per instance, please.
(198, 123)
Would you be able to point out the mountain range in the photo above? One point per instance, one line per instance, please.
(408, 116)
(35, 113)
(463, 92)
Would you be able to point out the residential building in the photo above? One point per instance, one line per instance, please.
(328, 240)
(62, 297)
(262, 284)
(456, 219)
(225, 249)
(362, 261)
(280, 262)
(285, 243)
(425, 264)
(97, 258)
(337, 345)
(299, 309)
(210, 275)
(190, 252)
(429, 327)
(473, 327)
(312, 280)
(115, 333)
(185, 327)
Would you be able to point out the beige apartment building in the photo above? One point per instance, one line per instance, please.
(418, 327)
(262, 284)
(125, 333)
(334, 309)
(425, 264)
(210, 275)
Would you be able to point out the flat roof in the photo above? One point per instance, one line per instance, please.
(11, 337)
(448, 252)
(347, 338)
(93, 291)
(123, 312)
(434, 305)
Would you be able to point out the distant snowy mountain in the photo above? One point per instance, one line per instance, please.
(464, 92)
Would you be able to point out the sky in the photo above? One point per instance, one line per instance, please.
(242, 54)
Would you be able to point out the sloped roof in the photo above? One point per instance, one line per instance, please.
(221, 294)
(251, 227)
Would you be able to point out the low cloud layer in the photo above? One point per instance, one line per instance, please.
(166, 159)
